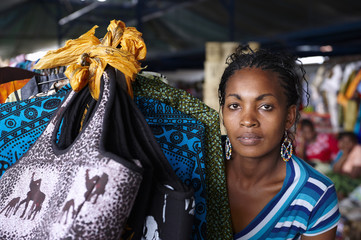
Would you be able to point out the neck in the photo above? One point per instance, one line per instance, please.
(250, 172)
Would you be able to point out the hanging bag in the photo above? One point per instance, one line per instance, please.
(75, 190)
(164, 207)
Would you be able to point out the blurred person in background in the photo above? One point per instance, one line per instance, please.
(346, 173)
(318, 149)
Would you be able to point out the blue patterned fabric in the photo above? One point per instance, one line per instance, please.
(218, 225)
(22, 122)
(181, 139)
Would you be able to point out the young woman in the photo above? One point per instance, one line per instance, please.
(272, 193)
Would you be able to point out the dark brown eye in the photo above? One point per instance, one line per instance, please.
(267, 107)
(233, 106)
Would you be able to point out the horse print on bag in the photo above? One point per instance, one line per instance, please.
(35, 195)
(66, 209)
(11, 206)
(95, 186)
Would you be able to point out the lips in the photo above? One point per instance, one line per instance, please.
(249, 139)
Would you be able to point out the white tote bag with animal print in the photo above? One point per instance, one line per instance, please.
(80, 191)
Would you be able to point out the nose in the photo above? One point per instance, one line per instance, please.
(248, 120)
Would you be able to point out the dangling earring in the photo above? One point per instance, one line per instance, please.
(286, 148)
(228, 149)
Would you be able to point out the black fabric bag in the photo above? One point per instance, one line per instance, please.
(164, 208)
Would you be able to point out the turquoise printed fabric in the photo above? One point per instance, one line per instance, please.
(22, 122)
(181, 138)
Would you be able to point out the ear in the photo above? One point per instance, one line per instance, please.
(291, 116)
(221, 115)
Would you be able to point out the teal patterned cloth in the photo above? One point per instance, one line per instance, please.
(181, 139)
(22, 122)
(218, 220)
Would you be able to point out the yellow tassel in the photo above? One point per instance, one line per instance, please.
(86, 57)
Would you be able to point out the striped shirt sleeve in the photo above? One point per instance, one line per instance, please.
(325, 214)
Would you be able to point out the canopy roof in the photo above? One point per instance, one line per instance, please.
(176, 31)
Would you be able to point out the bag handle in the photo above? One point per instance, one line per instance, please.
(90, 129)
(148, 147)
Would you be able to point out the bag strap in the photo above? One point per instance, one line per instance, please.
(69, 110)
(144, 145)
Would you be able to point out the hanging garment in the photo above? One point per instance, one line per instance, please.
(341, 97)
(349, 68)
(351, 89)
(8, 74)
(16, 96)
(315, 95)
(357, 127)
(13, 97)
(21, 123)
(218, 220)
(351, 111)
(331, 86)
(7, 88)
(26, 64)
(40, 84)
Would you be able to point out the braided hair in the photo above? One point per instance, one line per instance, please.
(291, 73)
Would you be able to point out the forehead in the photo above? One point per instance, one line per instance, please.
(255, 81)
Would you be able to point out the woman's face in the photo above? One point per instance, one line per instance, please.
(255, 112)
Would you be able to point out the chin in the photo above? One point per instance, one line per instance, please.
(250, 155)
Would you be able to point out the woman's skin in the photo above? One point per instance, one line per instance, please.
(256, 116)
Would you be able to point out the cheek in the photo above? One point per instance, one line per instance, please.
(273, 119)
(230, 120)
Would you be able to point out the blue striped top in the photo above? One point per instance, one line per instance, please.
(306, 205)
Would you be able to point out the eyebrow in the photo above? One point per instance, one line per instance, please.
(260, 97)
